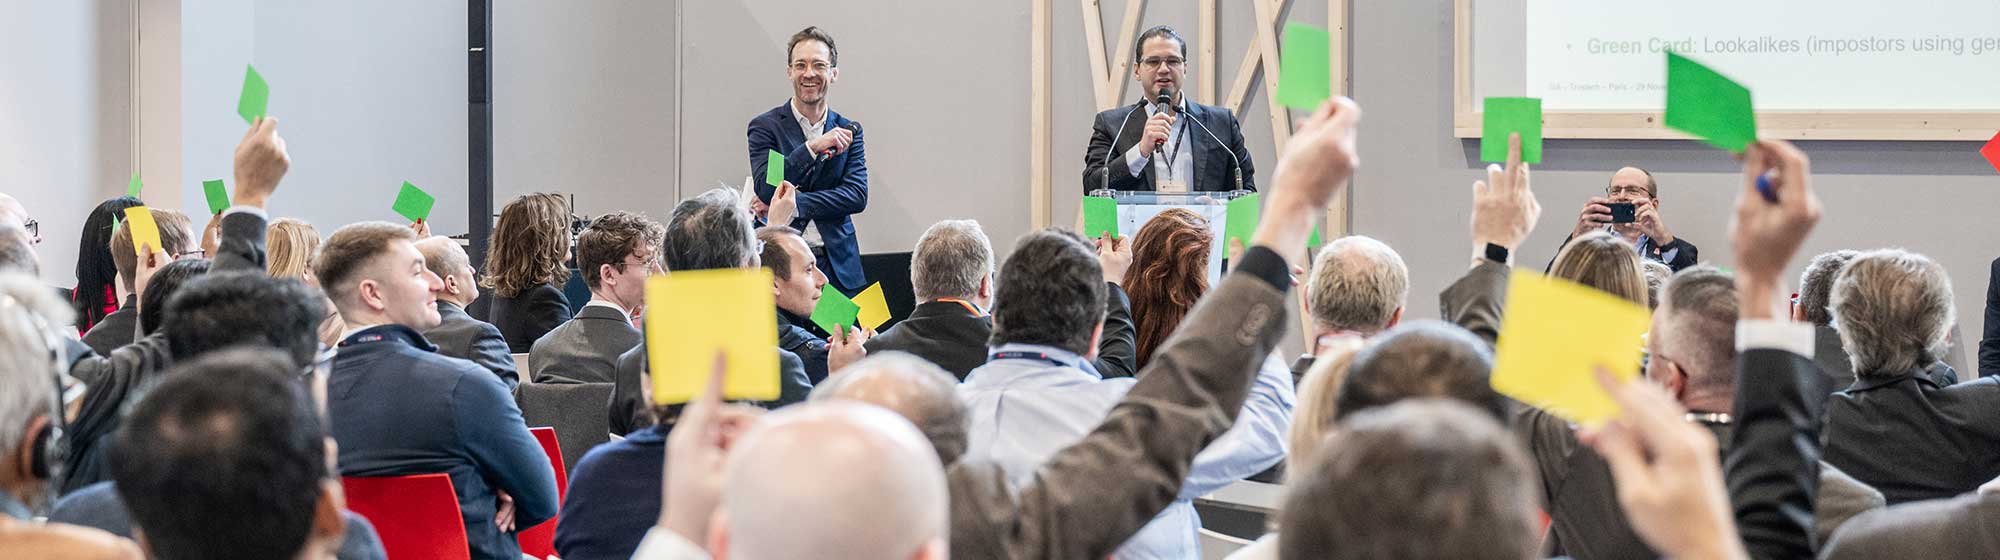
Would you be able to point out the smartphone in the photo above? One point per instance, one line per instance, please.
(1623, 212)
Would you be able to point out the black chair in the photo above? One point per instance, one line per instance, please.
(575, 410)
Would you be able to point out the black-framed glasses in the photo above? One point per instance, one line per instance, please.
(1156, 62)
(1631, 191)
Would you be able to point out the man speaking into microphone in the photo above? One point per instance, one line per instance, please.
(824, 163)
(1165, 142)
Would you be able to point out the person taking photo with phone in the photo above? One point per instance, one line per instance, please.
(1630, 209)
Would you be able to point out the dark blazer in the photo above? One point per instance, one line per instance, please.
(811, 349)
(614, 497)
(944, 332)
(831, 189)
(1914, 439)
(629, 410)
(115, 330)
(458, 335)
(527, 316)
(1213, 168)
(585, 349)
(1967, 526)
(398, 408)
(1989, 343)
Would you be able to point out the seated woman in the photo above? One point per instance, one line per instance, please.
(293, 244)
(1603, 261)
(525, 270)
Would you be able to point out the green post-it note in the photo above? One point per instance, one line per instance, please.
(774, 168)
(834, 310)
(256, 95)
(1100, 217)
(1241, 220)
(1707, 104)
(132, 188)
(413, 203)
(1506, 115)
(218, 197)
(1303, 68)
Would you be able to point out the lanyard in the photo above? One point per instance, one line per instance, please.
(967, 305)
(1178, 137)
(1029, 356)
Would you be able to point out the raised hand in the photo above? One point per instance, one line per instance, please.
(260, 162)
(846, 347)
(1668, 473)
(1316, 166)
(1766, 234)
(784, 205)
(1504, 209)
(1114, 256)
(697, 450)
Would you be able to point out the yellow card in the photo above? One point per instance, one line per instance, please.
(690, 316)
(1553, 338)
(145, 233)
(874, 307)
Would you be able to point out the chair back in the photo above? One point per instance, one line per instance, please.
(575, 410)
(540, 541)
(416, 516)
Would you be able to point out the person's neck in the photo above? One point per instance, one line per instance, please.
(815, 112)
(604, 298)
(357, 324)
(459, 300)
(1708, 402)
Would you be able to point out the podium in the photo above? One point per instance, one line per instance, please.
(1135, 208)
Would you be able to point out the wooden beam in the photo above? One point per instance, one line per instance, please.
(1204, 62)
(1041, 52)
(1093, 35)
(1119, 73)
(1267, 42)
(1338, 222)
(1246, 71)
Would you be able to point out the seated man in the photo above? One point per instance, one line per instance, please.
(1039, 393)
(616, 254)
(1897, 428)
(797, 284)
(399, 408)
(1647, 231)
(952, 274)
(1358, 288)
(458, 334)
(120, 327)
(1814, 306)
(17, 251)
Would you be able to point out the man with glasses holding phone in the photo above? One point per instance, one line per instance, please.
(826, 171)
(1630, 209)
(1166, 142)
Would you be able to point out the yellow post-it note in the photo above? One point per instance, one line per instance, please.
(145, 233)
(1553, 338)
(692, 315)
(874, 307)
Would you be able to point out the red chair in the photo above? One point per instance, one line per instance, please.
(540, 541)
(416, 516)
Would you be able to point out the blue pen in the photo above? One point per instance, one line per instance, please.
(1764, 187)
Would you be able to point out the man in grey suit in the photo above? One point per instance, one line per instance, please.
(458, 334)
(616, 253)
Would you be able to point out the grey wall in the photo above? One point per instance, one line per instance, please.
(1414, 187)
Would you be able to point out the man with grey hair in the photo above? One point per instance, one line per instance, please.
(17, 251)
(458, 334)
(1897, 428)
(1358, 288)
(910, 386)
(1813, 306)
(952, 274)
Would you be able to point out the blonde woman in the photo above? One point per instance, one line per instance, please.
(1603, 261)
(291, 246)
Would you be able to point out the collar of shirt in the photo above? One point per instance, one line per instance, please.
(811, 129)
(1046, 355)
(622, 312)
(384, 333)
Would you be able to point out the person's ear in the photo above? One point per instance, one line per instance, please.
(329, 527)
(370, 294)
(986, 286)
(718, 535)
(1676, 380)
(833, 74)
(23, 465)
(1394, 319)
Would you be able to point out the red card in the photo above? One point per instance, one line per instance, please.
(1992, 151)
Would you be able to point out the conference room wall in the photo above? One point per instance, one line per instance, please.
(1414, 189)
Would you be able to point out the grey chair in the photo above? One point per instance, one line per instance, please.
(575, 410)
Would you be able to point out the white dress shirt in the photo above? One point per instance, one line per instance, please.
(811, 130)
(1181, 171)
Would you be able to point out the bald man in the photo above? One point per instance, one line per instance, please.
(890, 504)
(1647, 231)
(458, 334)
(13, 213)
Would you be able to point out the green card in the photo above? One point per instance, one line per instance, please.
(834, 310)
(1506, 115)
(774, 168)
(1100, 216)
(1311, 241)
(132, 188)
(1303, 68)
(413, 203)
(1707, 104)
(218, 197)
(255, 97)
(1241, 220)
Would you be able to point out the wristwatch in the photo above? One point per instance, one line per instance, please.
(1497, 253)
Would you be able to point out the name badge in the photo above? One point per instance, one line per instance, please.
(1171, 185)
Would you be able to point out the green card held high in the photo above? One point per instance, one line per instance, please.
(774, 168)
(1703, 102)
(1100, 217)
(1507, 115)
(413, 203)
(218, 196)
(132, 188)
(1304, 67)
(256, 95)
(834, 311)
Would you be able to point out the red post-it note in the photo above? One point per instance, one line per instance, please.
(1992, 151)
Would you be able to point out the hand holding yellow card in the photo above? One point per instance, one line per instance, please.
(1555, 336)
(145, 233)
(693, 315)
(874, 307)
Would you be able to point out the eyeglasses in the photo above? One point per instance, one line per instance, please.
(1633, 191)
(34, 227)
(648, 263)
(801, 66)
(1156, 62)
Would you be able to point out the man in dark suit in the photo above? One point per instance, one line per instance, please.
(1647, 232)
(823, 154)
(399, 408)
(1180, 146)
(121, 327)
(798, 286)
(458, 334)
(616, 253)
(1814, 306)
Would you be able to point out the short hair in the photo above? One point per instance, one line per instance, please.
(1816, 285)
(1169, 273)
(1156, 32)
(814, 33)
(530, 245)
(17, 251)
(1605, 262)
(1427, 478)
(611, 237)
(161, 289)
(775, 257)
(1051, 292)
(348, 252)
(1893, 310)
(223, 309)
(1699, 327)
(225, 459)
(1357, 285)
(292, 245)
(174, 240)
(933, 405)
(1657, 274)
(1421, 359)
(440, 259)
(709, 231)
(30, 316)
(950, 260)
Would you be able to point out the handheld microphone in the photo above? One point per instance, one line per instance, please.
(852, 126)
(1162, 99)
(1236, 164)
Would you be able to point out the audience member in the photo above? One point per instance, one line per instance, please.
(1169, 273)
(1420, 359)
(398, 408)
(1605, 262)
(1959, 527)
(1358, 288)
(616, 253)
(614, 490)
(525, 271)
(12, 213)
(1657, 274)
(120, 327)
(293, 246)
(17, 251)
(1814, 306)
(1312, 422)
(797, 282)
(1647, 233)
(96, 291)
(951, 272)
(1897, 428)
(1989, 341)
(457, 334)
(922, 392)
(164, 285)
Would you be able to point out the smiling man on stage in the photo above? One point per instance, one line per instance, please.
(823, 158)
(1177, 146)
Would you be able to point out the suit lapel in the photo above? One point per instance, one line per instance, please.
(1135, 128)
(1196, 139)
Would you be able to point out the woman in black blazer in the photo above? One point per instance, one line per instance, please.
(525, 270)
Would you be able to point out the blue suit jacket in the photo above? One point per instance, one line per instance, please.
(398, 408)
(831, 190)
